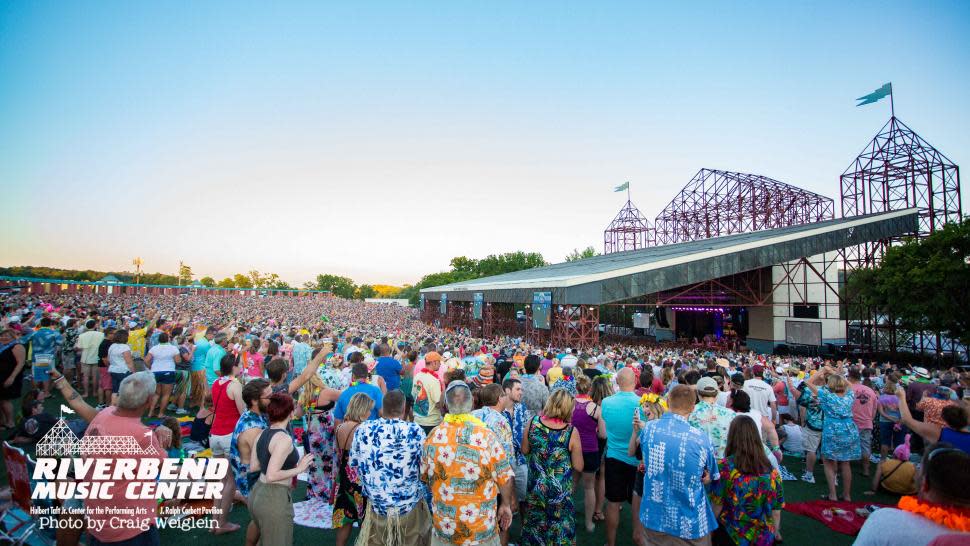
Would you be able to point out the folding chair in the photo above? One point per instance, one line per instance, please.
(17, 526)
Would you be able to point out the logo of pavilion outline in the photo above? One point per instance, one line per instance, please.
(61, 441)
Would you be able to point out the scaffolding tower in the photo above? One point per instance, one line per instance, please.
(896, 170)
(716, 203)
(630, 230)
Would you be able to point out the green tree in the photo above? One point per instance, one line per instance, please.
(207, 281)
(185, 274)
(241, 281)
(508, 262)
(924, 284)
(587, 252)
(274, 281)
(343, 287)
(256, 280)
(226, 283)
(463, 269)
(365, 291)
(461, 264)
(309, 285)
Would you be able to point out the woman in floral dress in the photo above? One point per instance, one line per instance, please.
(350, 503)
(320, 443)
(554, 451)
(748, 496)
(840, 436)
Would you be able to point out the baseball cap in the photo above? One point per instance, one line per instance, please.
(707, 386)
(758, 370)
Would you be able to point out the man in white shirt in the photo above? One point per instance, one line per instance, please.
(352, 348)
(569, 360)
(762, 396)
(88, 343)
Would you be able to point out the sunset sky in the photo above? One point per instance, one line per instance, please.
(377, 140)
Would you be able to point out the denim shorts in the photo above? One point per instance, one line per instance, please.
(888, 436)
(116, 379)
(165, 378)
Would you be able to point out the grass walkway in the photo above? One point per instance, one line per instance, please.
(796, 529)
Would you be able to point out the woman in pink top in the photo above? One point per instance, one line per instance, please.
(253, 358)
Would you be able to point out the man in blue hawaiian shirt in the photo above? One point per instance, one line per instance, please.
(43, 346)
(679, 462)
(386, 457)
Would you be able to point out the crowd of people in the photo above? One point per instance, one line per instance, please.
(417, 435)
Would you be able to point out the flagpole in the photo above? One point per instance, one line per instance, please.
(892, 106)
(628, 190)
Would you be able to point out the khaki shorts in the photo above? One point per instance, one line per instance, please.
(865, 441)
(811, 439)
(412, 528)
(271, 505)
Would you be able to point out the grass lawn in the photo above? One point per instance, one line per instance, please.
(795, 529)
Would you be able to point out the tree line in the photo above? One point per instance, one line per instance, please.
(922, 284)
(252, 279)
(462, 269)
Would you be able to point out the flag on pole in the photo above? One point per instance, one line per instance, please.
(147, 433)
(65, 409)
(621, 187)
(881, 93)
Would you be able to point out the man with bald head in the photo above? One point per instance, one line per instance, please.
(620, 468)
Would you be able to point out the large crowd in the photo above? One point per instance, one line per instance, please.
(418, 435)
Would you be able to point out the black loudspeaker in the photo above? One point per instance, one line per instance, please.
(660, 316)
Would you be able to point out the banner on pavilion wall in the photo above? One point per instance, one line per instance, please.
(541, 310)
(443, 306)
(478, 301)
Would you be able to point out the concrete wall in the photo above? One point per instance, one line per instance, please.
(388, 301)
(798, 284)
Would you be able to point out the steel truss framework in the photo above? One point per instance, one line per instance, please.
(897, 170)
(575, 325)
(571, 325)
(716, 203)
(756, 289)
(630, 230)
(498, 319)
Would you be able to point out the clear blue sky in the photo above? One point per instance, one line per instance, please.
(379, 139)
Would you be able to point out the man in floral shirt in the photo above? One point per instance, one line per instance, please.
(516, 416)
(386, 455)
(494, 403)
(465, 466)
(713, 419)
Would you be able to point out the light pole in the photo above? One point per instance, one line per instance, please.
(137, 263)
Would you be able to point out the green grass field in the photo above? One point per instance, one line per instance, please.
(796, 529)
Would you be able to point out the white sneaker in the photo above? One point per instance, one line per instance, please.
(181, 411)
(808, 477)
